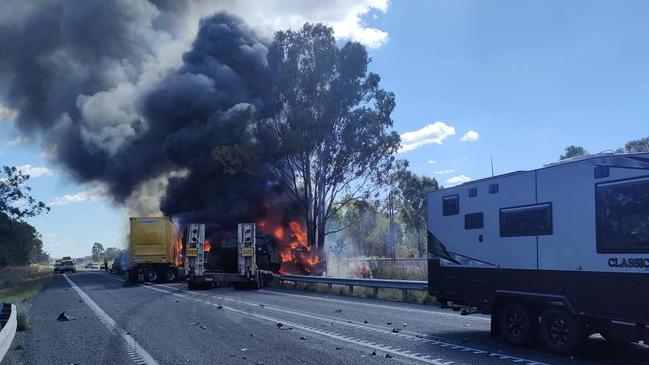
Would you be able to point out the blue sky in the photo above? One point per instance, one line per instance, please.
(530, 77)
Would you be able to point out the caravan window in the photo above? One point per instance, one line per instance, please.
(451, 205)
(474, 221)
(622, 211)
(529, 220)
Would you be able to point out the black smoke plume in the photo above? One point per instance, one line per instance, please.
(87, 79)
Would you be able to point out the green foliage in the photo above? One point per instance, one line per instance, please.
(15, 198)
(20, 243)
(97, 251)
(328, 134)
(413, 191)
(364, 225)
(573, 151)
(332, 132)
(110, 254)
(637, 145)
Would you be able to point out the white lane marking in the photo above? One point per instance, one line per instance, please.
(382, 306)
(310, 329)
(413, 336)
(138, 354)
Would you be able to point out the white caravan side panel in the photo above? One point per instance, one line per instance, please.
(570, 187)
(507, 252)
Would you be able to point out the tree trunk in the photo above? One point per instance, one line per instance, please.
(420, 242)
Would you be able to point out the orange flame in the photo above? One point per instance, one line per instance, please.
(294, 249)
(207, 246)
(179, 249)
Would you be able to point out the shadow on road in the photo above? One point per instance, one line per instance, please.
(595, 350)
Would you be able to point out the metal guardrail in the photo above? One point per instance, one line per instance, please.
(384, 259)
(351, 283)
(9, 325)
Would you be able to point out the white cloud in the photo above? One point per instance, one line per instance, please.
(442, 172)
(6, 113)
(97, 193)
(34, 171)
(430, 162)
(457, 180)
(432, 133)
(470, 136)
(17, 141)
(344, 16)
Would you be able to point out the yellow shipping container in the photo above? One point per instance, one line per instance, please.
(152, 241)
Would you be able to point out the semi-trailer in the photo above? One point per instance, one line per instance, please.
(152, 250)
(249, 260)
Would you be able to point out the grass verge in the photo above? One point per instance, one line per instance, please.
(411, 296)
(19, 284)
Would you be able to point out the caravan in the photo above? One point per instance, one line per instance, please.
(556, 253)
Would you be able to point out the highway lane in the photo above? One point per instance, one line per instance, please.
(175, 325)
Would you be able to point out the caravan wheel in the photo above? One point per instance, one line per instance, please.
(517, 324)
(560, 331)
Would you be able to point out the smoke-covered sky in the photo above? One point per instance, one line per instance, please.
(96, 97)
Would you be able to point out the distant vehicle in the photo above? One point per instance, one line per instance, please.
(120, 263)
(152, 250)
(64, 266)
(557, 253)
(92, 266)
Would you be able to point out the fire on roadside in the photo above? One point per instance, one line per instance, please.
(297, 255)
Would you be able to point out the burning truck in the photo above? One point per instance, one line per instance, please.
(209, 255)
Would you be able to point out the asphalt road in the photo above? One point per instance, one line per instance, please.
(167, 324)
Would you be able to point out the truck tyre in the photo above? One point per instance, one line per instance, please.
(169, 275)
(560, 331)
(517, 324)
(150, 275)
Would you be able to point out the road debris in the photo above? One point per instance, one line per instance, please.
(280, 325)
(302, 338)
(219, 307)
(395, 330)
(65, 317)
(338, 311)
(373, 353)
(365, 321)
(388, 356)
(388, 323)
(405, 324)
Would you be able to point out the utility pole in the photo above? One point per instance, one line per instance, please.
(393, 247)
(492, 165)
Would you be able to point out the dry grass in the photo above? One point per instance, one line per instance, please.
(412, 296)
(399, 270)
(19, 284)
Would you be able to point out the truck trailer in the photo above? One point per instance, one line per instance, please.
(152, 250)
(556, 254)
(239, 261)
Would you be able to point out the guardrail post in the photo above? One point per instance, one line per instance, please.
(404, 293)
(331, 286)
(351, 289)
(376, 292)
